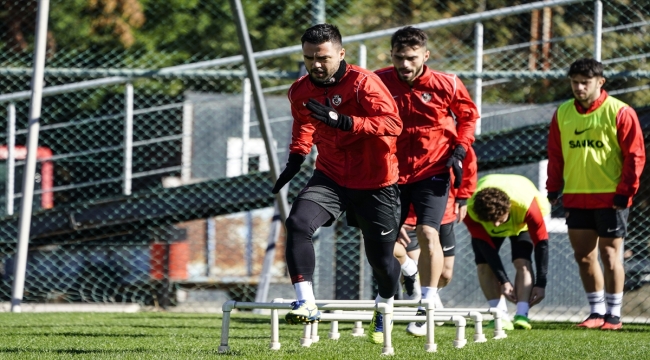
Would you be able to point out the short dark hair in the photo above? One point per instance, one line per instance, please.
(490, 204)
(586, 67)
(322, 33)
(408, 36)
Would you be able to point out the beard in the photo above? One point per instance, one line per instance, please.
(328, 75)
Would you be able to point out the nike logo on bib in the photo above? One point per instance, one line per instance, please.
(387, 232)
(580, 132)
(498, 232)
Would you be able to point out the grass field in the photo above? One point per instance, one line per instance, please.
(196, 336)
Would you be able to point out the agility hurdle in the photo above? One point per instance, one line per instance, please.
(476, 314)
(385, 309)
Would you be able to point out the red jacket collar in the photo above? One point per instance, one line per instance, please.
(422, 79)
(594, 106)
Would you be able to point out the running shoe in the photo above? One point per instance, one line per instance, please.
(303, 312)
(593, 321)
(411, 287)
(418, 328)
(506, 324)
(612, 322)
(522, 322)
(376, 332)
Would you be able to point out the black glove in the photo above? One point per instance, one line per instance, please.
(461, 202)
(293, 166)
(620, 201)
(552, 196)
(328, 115)
(455, 162)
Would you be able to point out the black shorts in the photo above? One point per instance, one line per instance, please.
(447, 240)
(520, 245)
(414, 244)
(376, 212)
(429, 199)
(609, 223)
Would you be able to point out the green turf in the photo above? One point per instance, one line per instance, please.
(197, 336)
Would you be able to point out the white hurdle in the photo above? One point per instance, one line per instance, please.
(476, 314)
(228, 306)
(347, 310)
(338, 315)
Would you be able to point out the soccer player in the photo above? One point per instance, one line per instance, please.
(454, 213)
(595, 158)
(350, 116)
(506, 205)
(439, 122)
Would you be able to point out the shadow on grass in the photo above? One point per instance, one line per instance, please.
(632, 328)
(166, 326)
(72, 351)
(164, 316)
(82, 334)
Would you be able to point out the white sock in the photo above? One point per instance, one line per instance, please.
(380, 299)
(304, 291)
(500, 304)
(614, 302)
(428, 293)
(522, 308)
(409, 268)
(597, 302)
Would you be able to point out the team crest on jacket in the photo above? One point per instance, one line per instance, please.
(426, 97)
(336, 100)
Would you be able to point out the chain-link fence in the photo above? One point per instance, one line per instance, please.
(153, 184)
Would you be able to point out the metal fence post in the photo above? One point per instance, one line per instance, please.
(20, 268)
(128, 139)
(260, 104)
(246, 124)
(598, 29)
(11, 156)
(186, 157)
(318, 12)
(363, 56)
(478, 67)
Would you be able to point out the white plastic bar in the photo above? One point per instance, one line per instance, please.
(478, 67)
(275, 335)
(11, 156)
(363, 56)
(358, 330)
(29, 173)
(598, 29)
(128, 139)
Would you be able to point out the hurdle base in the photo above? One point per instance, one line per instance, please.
(274, 346)
(224, 349)
(334, 336)
(431, 347)
(479, 338)
(305, 342)
(458, 344)
(388, 351)
(499, 334)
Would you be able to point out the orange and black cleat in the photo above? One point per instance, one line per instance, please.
(612, 323)
(594, 321)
